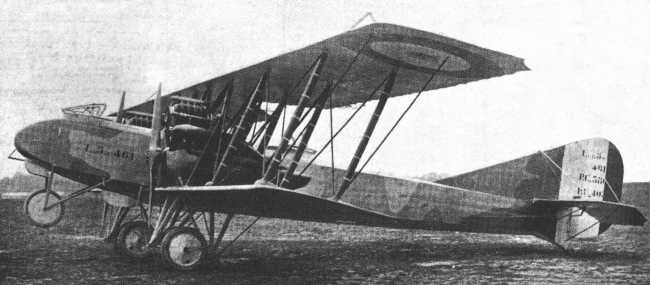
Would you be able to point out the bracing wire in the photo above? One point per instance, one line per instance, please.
(332, 147)
(408, 108)
(336, 85)
(366, 15)
(344, 124)
(609, 186)
(223, 250)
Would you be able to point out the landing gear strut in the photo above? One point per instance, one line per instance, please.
(128, 238)
(184, 237)
(182, 245)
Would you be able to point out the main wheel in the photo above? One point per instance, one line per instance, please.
(132, 240)
(35, 206)
(183, 248)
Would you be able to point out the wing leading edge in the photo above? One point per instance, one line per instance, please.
(379, 47)
(275, 202)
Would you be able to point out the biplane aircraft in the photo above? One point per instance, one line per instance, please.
(206, 149)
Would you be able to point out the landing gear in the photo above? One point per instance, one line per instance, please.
(183, 248)
(129, 234)
(132, 240)
(184, 237)
(43, 208)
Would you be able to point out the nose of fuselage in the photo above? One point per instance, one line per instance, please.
(37, 140)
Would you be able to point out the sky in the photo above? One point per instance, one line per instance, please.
(589, 60)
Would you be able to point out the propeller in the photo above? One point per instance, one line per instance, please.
(120, 111)
(156, 152)
(155, 145)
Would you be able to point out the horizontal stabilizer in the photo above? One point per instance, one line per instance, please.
(604, 211)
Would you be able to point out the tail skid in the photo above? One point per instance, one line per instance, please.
(571, 214)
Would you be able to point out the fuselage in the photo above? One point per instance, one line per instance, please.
(91, 149)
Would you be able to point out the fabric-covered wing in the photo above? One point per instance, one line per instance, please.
(274, 202)
(380, 47)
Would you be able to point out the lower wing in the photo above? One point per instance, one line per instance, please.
(275, 202)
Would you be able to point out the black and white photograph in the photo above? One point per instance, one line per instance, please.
(324, 142)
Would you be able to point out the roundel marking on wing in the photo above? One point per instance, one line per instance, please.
(417, 56)
(425, 55)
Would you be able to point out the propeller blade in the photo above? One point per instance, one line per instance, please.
(120, 111)
(152, 186)
(155, 148)
(156, 123)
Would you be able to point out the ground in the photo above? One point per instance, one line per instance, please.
(288, 252)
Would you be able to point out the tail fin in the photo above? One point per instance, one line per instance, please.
(587, 170)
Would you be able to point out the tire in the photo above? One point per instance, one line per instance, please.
(183, 248)
(132, 240)
(37, 216)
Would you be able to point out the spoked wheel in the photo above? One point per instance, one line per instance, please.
(36, 208)
(183, 248)
(133, 238)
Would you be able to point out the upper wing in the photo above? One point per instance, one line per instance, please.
(380, 46)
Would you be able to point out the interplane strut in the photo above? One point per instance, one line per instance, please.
(294, 121)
